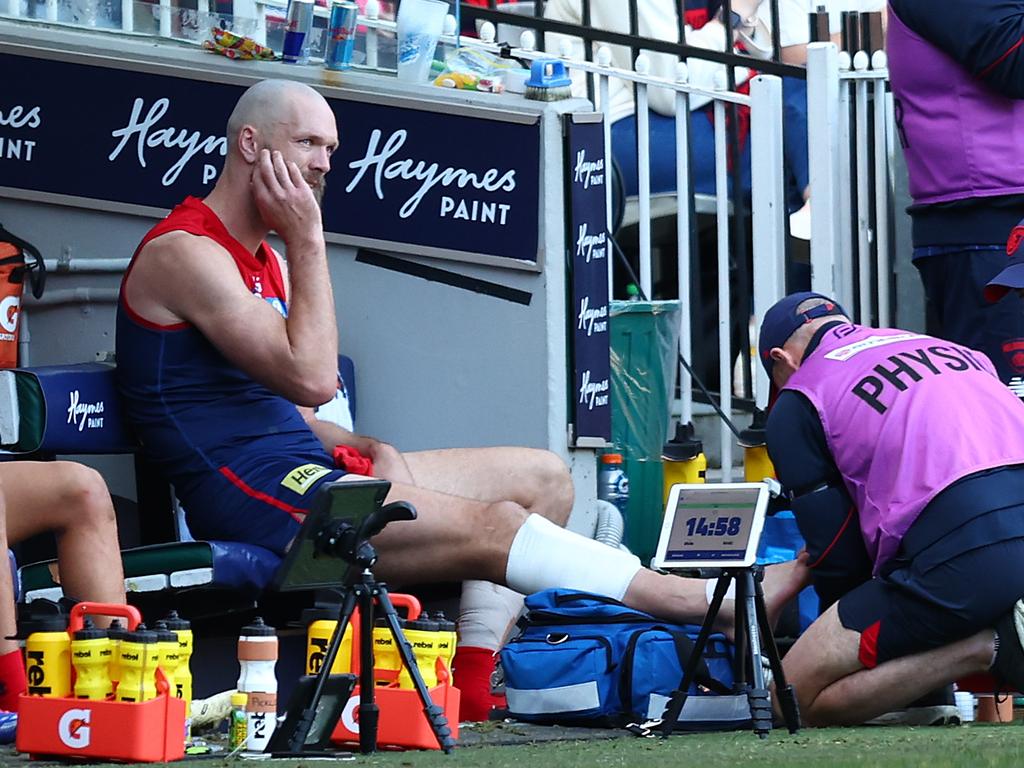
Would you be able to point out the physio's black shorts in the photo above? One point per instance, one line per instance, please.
(960, 567)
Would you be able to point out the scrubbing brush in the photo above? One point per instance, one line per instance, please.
(548, 81)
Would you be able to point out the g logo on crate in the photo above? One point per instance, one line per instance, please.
(350, 715)
(74, 729)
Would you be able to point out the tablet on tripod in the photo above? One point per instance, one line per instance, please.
(712, 525)
(310, 563)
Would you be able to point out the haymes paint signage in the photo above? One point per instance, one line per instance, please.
(404, 176)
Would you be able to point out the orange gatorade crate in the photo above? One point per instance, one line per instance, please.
(145, 732)
(402, 722)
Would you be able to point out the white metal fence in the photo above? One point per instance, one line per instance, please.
(851, 150)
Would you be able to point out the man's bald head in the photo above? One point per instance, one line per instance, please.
(269, 104)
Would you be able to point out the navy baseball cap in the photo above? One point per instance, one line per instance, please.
(782, 320)
(1012, 276)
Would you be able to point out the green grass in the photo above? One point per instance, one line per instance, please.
(976, 746)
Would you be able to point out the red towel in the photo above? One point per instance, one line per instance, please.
(352, 460)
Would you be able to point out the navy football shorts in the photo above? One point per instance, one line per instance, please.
(260, 503)
(939, 590)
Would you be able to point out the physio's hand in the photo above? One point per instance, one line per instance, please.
(284, 199)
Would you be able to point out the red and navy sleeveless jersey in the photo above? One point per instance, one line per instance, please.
(200, 418)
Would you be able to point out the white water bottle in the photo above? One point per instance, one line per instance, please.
(257, 656)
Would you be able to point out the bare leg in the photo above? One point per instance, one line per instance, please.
(72, 501)
(8, 617)
(457, 538)
(534, 479)
(833, 688)
(685, 600)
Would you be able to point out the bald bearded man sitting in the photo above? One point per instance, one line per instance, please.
(224, 349)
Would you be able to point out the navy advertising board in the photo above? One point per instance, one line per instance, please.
(421, 179)
(589, 251)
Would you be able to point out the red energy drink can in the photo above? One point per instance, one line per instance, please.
(297, 31)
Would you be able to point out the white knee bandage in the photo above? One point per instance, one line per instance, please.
(545, 556)
(486, 614)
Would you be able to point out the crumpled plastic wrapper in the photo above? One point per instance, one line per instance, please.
(236, 46)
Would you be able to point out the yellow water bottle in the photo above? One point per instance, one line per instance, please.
(422, 635)
(387, 663)
(170, 656)
(90, 655)
(48, 657)
(683, 460)
(115, 633)
(182, 673)
(320, 628)
(139, 659)
(446, 641)
(756, 464)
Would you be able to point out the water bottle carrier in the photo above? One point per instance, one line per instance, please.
(151, 731)
(402, 722)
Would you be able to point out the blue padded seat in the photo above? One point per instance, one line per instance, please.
(75, 409)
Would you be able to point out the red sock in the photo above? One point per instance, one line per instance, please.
(12, 680)
(472, 669)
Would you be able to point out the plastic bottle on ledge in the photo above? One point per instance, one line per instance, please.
(632, 292)
(612, 483)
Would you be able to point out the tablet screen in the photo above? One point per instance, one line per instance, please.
(708, 525)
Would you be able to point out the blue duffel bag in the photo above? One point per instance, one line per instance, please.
(582, 659)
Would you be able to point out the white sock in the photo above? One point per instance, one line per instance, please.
(486, 614)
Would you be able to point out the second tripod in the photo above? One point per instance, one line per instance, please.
(752, 629)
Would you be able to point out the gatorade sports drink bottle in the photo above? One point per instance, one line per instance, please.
(183, 673)
(48, 657)
(321, 624)
(90, 655)
(257, 656)
(140, 657)
(423, 636)
(170, 656)
(115, 633)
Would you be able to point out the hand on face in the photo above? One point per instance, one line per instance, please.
(284, 199)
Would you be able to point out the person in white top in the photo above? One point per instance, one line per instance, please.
(658, 20)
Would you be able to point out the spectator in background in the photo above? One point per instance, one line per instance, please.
(957, 72)
(658, 20)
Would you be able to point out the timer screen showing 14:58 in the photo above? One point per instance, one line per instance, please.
(711, 530)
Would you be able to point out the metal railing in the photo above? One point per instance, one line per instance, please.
(850, 136)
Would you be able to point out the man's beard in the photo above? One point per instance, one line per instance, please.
(319, 188)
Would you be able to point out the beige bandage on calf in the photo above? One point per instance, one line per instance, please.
(546, 556)
(486, 614)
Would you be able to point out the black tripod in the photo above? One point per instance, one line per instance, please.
(340, 539)
(752, 630)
